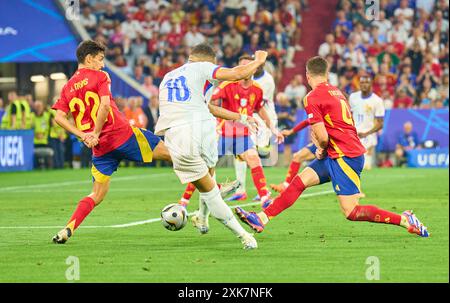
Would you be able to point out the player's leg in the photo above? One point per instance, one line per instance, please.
(307, 153)
(369, 157)
(240, 168)
(193, 152)
(102, 169)
(316, 173)
(253, 161)
(345, 175)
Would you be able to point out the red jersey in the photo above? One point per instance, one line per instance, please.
(327, 104)
(241, 100)
(81, 96)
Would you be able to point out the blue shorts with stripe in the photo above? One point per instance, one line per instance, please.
(234, 145)
(311, 147)
(139, 148)
(344, 173)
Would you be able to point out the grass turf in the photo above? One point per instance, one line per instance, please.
(310, 242)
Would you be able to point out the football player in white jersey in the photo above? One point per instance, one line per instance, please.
(263, 135)
(189, 130)
(368, 113)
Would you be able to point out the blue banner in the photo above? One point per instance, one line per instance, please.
(429, 124)
(428, 158)
(34, 31)
(16, 150)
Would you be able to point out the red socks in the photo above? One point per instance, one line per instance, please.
(85, 206)
(260, 181)
(292, 172)
(189, 191)
(286, 198)
(373, 214)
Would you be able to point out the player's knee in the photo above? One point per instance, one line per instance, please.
(348, 211)
(253, 160)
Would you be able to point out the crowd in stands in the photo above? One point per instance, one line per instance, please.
(405, 50)
(149, 38)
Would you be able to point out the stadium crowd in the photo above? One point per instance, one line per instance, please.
(150, 38)
(405, 50)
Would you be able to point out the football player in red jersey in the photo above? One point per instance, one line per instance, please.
(340, 159)
(100, 125)
(245, 97)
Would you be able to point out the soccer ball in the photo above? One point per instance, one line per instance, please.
(174, 217)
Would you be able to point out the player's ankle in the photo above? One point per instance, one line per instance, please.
(404, 222)
(264, 218)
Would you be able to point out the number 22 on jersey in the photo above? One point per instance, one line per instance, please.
(88, 98)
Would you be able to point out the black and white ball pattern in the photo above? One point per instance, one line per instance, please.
(174, 217)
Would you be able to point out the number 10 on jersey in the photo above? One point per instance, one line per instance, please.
(178, 90)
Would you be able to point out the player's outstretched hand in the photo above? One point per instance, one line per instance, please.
(287, 132)
(261, 56)
(279, 137)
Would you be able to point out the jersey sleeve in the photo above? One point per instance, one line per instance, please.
(219, 92)
(379, 108)
(104, 84)
(259, 101)
(62, 103)
(312, 108)
(208, 71)
(351, 101)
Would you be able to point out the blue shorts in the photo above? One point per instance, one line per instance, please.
(234, 145)
(139, 148)
(311, 147)
(344, 173)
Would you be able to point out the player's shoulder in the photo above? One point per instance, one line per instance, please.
(227, 84)
(307, 98)
(257, 86)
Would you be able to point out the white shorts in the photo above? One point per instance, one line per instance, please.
(193, 149)
(369, 141)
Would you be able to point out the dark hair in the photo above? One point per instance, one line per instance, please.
(89, 47)
(317, 66)
(245, 57)
(203, 50)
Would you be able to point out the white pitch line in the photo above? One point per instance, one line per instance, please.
(150, 220)
(58, 184)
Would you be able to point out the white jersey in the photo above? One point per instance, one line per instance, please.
(364, 111)
(182, 95)
(268, 86)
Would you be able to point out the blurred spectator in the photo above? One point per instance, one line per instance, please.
(134, 114)
(295, 91)
(150, 87)
(152, 112)
(2, 110)
(43, 154)
(286, 120)
(234, 40)
(329, 47)
(407, 141)
(88, 20)
(403, 100)
(193, 37)
(58, 136)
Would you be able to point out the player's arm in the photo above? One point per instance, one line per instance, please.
(63, 121)
(242, 71)
(222, 113)
(378, 124)
(102, 115)
(269, 123)
(296, 129)
(319, 137)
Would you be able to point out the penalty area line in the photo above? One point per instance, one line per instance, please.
(153, 219)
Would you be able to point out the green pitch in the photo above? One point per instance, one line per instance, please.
(310, 242)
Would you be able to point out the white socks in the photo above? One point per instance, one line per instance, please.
(220, 210)
(240, 168)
